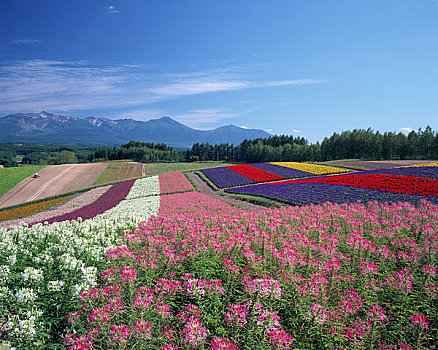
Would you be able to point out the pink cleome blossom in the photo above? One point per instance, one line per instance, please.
(420, 321)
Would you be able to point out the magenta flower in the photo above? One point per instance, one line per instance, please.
(119, 334)
(236, 315)
(74, 342)
(194, 332)
(377, 313)
(280, 339)
(142, 329)
(222, 344)
(420, 321)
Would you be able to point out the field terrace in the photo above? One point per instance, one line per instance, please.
(196, 273)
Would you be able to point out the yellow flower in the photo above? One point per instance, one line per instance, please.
(311, 168)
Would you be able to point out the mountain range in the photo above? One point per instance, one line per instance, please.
(51, 128)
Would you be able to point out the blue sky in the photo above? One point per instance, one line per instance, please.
(307, 68)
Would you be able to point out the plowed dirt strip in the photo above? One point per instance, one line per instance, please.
(119, 171)
(54, 180)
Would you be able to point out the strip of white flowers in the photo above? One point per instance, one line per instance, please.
(46, 264)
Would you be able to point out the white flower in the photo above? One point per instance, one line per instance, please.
(32, 274)
(4, 292)
(55, 286)
(4, 273)
(25, 295)
(11, 259)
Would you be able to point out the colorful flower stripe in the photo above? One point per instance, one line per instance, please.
(392, 183)
(305, 193)
(420, 165)
(29, 209)
(426, 172)
(281, 170)
(193, 202)
(67, 207)
(254, 174)
(107, 201)
(311, 168)
(224, 177)
(174, 182)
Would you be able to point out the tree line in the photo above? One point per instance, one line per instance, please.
(356, 144)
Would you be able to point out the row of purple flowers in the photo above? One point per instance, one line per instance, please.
(108, 200)
(226, 177)
(429, 172)
(319, 193)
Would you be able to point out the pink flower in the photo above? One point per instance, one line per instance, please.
(74, 342)
(222, 344)
(194, 332)
(128, 274)
(236, 315)
(119, 334)
(377, 313)
(281, 339)
(420, 320)
(143, 329)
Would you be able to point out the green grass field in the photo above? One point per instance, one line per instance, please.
(164, 168)
(9, 177)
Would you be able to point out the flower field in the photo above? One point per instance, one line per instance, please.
(204, 275)
(174, 182)
(312, 168)
(181, 270)
(29, 209)
(385, 185)
(243, 174)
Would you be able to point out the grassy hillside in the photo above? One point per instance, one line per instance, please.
(9, 177)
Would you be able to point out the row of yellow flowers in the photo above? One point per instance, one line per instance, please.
(312, 168)
(29, 209)
(418, 165)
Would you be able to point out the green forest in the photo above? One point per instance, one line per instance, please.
(30, 154)
(357, 144)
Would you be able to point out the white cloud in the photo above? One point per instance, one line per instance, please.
(65, 86)
(112, 9)
(294, 130)
(197, 87)
(408, 129)
(269, 130)
(244, 127)
(25, 41)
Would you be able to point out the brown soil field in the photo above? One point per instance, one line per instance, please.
(54, 180)
(376, 164)
(119, 171)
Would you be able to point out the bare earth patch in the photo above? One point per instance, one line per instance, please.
(54, 180)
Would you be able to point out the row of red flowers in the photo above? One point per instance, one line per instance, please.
(254, 174)
(391, 183)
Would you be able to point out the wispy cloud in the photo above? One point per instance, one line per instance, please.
(65, 86)
(407, 129)
(297, 131)
(112, 9)
(25, 41)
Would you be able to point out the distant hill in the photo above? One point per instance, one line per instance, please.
(57, 129)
